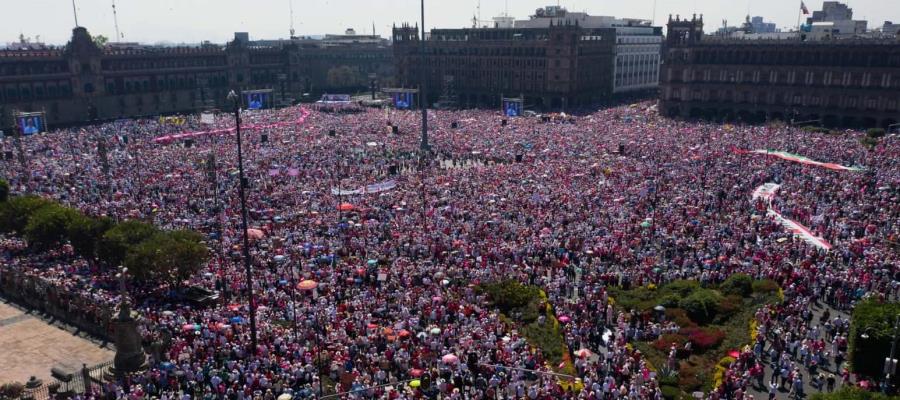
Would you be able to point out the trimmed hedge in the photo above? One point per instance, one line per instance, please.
(702, 305)
(737, 284)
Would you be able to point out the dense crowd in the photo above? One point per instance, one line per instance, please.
(616, 197)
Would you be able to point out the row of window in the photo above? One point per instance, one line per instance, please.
(161, 63)
(42, 91)
(824, 57)
(806, 78)
(24, 68)
(789, 99)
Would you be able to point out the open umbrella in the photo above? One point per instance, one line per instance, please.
(285, 396)
(583, 353)
(255, 234)
(564, 319)
(435, 331)
(415, 383)
(450, 359)
(307, 285)
(345, 207)
(236, 320)
(416, 372)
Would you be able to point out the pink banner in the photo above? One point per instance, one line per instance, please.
(170, 138)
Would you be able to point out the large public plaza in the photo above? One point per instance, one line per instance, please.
(371, 261)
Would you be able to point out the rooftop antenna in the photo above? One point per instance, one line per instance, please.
(653, 20)
(291, 7)
(479, 11)
(373, 28)
(75, 12)
(506, 8)
(116, 21)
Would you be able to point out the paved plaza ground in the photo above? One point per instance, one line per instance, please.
(30, 346)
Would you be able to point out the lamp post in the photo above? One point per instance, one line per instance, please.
(890, 365)
(237, 119)
(424, 95)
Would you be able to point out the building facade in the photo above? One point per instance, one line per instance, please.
(850, 82)
(638, 44)
(83, 82)
(556, 67)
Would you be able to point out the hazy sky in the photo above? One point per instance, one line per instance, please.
(216, 20)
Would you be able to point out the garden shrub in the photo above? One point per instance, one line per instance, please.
(664, 342)
(704, 338)
(875, 132)
(737, 284)
(730, 305)
(683, 288)
(510, 294)
(679, 317)
(670, 392)
(669, 300)
(15, 212)
(702, 305)
(765, 286)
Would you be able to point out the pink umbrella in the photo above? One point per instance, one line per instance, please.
(255, 234)
(564, 319)
(188, 327)
(436, 299)
(307, 285)
(450, 359)
(416, 372)
(583, 353)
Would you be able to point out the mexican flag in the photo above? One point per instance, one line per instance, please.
(799, 159)
(799, 230)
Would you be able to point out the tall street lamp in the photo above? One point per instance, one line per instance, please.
(424, 95)
(237, 119)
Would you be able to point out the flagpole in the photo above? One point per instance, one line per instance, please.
(799, 15)
(75, 13)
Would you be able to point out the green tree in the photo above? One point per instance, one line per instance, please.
(4, 190)
(738, 284)
(702, 305)
(852, 393)
(875, 132)
(47, 226)
(169, 256)
(876, 320)
(15, 213)
(100, 40)
(115, 242)
(85, 233)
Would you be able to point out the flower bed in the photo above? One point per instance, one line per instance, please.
(713, 320)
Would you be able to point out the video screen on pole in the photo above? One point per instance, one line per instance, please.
(257, 100)
(31, 124)
(403, 100)
(512, 108)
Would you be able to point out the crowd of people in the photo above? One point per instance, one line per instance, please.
(615, 197)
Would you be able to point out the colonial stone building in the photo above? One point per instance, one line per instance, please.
(82, 81)
(555, 67)
(842, 82)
